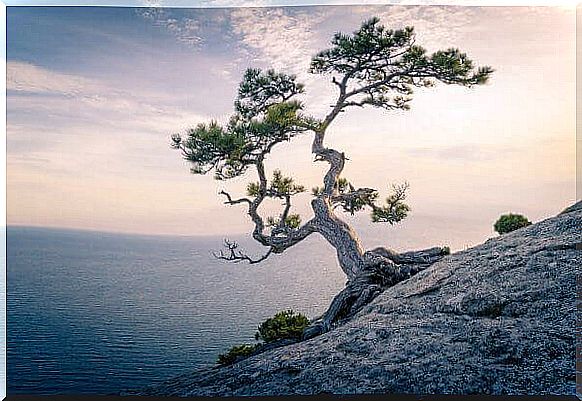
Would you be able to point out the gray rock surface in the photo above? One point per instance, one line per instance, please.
(498, 318)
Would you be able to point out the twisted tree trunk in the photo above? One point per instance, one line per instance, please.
(382, 269)
(369, 273)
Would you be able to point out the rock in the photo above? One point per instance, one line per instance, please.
(574, 207)
(498, 318)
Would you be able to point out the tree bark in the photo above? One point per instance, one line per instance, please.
(369, 273)
(341, 236)
(382, 269)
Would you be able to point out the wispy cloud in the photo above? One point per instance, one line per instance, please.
(286, 39)
(26, 77)
(67, 93)
(278, 3)
(76, 113)
(435, 26)
(186, 30)
(282, 38)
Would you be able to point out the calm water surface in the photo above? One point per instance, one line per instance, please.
(99, 313)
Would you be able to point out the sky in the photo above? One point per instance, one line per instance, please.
(270, 3)
(93, 95)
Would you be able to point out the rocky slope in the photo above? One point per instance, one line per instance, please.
(498, 318)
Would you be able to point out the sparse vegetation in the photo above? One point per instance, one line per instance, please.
(284, 325)
(510, 222)
(237, 353)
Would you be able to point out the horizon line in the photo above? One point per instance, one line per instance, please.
(113, 232)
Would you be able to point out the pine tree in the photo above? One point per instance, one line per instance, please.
(373, 67)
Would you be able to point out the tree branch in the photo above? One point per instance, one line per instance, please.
(286, 210)
(280, 238)
(235, 255)
(231, 201)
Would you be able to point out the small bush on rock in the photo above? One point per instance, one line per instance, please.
(510, 222)
(237, 353)
(284, 325)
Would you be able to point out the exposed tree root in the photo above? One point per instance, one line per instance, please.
(384, 269)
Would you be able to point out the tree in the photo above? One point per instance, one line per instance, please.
(373, 67)
(510, 222)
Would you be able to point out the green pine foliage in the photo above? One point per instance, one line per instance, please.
(386, 65)
(284, 325)
(371, 67)
(510, 222)
(237, 353)
(395, 209)
(282, 186)
(279, 186)
(265, 114)
(293, 221)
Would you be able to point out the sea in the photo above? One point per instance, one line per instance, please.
(101, 313)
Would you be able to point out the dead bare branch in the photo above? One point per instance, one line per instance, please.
(233, 254)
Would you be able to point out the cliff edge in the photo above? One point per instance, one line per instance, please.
(499, 318)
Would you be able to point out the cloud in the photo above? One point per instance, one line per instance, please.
(279, 3)
(47, 90)
(26, 77)
(436, 26)
(286, 39)
(185, 30)
(283, 38)
(94, 152)
(57, 121)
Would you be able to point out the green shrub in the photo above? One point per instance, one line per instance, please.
(284, 325)
(237, 353)
(510, 222)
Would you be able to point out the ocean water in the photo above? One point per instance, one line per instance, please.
(97, 313)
